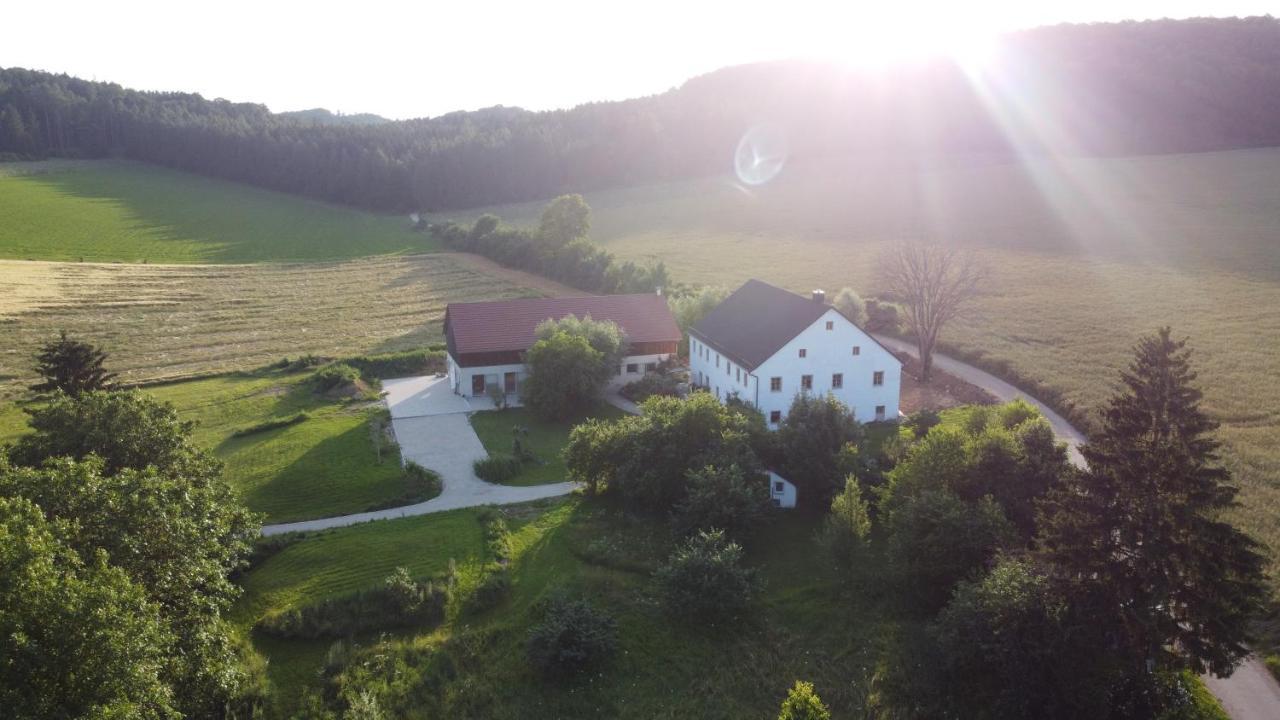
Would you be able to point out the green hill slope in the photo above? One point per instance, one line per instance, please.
(109, 211)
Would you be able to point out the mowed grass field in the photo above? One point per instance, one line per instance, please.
(1086, 254)
(174, 321)
(116, 211)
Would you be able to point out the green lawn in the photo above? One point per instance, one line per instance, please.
(338, 562)
(323, 466)
(474, 665)
(546, 439)
(1086, 255)
(109, 211)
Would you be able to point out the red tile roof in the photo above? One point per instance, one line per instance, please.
(510, 325)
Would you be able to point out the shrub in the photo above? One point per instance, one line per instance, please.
(334, 375)
(921, 422)
(726, 498)
(572, 637)
(497, 395)
(399, 364)
(802, 703)
(493, 589)
(850, 303)
(271, 425)
(847, 526)
(704, 579)
(420, 485)
(882, 317)
(650, 385)
(400, 601)
(497, 469)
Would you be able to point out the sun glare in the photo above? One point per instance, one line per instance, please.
(872, 40)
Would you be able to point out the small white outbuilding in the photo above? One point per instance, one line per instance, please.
(782, 491)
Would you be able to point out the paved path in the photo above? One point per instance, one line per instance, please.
(430, 423)
(1251, 693)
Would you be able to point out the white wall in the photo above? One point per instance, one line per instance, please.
(460, 377)
(784, 497)
(719, 374)
(827, 352)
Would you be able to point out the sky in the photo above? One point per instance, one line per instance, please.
(425, 58)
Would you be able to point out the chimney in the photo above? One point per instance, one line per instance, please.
(820, 297)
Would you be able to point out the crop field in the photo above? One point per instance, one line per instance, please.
(114, 211)
(175, 321)
(1086, 255)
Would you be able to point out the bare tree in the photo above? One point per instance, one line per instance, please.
(936, 283)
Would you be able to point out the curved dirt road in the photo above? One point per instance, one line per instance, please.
(1251, 693)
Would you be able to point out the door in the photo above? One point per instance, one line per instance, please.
(509, 383)
(477, 384)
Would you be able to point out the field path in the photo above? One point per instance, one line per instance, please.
(1251, 693)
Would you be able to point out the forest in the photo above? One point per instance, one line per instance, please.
(1102, 89)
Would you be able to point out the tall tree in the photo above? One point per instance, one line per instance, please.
(1141, 534)
(72, 366)
(937, 284)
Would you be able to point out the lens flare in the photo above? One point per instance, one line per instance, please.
(761, 153)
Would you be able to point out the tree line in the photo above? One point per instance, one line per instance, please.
(1149, 87)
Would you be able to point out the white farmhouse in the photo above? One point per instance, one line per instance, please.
(487, 340)
(766, 345)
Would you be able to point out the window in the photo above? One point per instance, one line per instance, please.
(717, 359)
(632, 368)
(775, 416)
(746, 377)
(775, 384)
(857, 350)
(837, 381)
(617, 369)
(806, 382)
(804, 352)
(831, 325)
(727, 366)
(879, 412)
(877, 377)
(737, 373)
(650, 367)
(777, 486)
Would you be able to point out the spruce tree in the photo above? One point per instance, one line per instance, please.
(1141, 534)
(71, 366)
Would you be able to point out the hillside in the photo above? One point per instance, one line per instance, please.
(1086, 256)
(1109, 89)
(114, 211)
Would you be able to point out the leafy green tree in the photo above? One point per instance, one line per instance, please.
(850, 303)
(566, 376)
(124, 429)
(810, 440)
(77, 637)
(72, 366)
(935, 540)
(704, 580)
(1142, 534)
(159, 508)
(565, 219)
(604, 336)
(727, 498)
(802, 703)
(1008, 645)
(689, 306)
(846, 530)
(601, 451)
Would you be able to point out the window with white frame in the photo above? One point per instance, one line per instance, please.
(775, 384)
(857, 350)
(806, 382)
(804, 352)
(837, 381)
(877, 377)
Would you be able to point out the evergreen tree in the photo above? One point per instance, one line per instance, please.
(1140, 535)
(71, 366)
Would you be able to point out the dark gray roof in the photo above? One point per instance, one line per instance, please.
(756, 321)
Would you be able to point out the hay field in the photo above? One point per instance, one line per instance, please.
(174, 321)
(1087, 254)
(116, 211)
